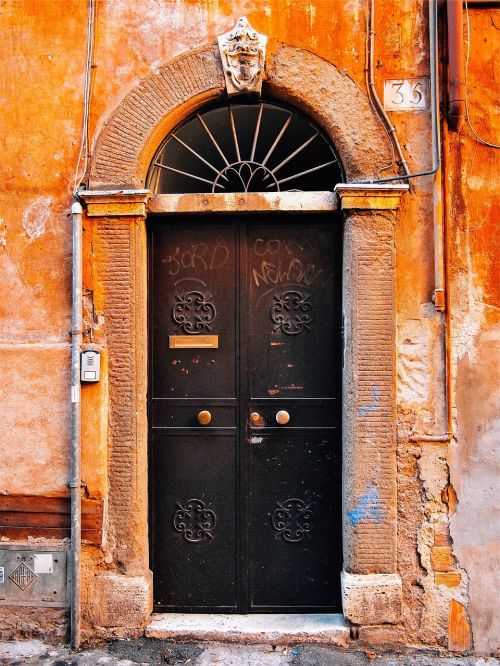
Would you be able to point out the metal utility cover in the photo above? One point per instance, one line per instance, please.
(33, 576)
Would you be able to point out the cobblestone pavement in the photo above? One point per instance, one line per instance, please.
(150, 652)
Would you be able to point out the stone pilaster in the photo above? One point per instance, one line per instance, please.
(369, 394)
(120, 263)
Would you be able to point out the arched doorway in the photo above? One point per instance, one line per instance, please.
(245, 372)
(117, 205)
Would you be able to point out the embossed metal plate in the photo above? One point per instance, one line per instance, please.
(33, 576)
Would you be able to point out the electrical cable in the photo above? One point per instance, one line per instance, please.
(467, 57)
(84, 142)
(436, 157)
(368, 30)
(375, 101)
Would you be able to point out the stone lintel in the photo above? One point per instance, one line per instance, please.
(370, 196)
(254, 202)
(372, 598)
(115, 203)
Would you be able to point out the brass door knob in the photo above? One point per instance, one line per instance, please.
(204, 417)
(255, 417)
(282, 417)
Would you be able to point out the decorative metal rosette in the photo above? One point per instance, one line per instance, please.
(194, 312)
(194, 521)
(291, 312)
(293, 519)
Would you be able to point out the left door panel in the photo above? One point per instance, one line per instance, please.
(194, 482)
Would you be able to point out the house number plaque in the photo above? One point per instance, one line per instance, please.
(406, 94)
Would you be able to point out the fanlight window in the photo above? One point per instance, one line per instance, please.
(253, 147)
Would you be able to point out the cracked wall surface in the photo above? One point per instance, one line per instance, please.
(447, 524)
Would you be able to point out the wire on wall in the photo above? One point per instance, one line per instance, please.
(84, 142)
(375, 100)
(467, 58)
(368, 56)
(434, 79)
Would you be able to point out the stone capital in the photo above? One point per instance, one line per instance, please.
(115, 203)
(370, 196)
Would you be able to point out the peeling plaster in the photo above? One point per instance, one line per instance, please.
(434, 476)
(153, 35)
(413, 375)
(35, 217)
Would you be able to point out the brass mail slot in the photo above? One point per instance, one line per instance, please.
(193, 341)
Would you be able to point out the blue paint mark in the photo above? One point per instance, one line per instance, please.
(368, 508)
(373, 406)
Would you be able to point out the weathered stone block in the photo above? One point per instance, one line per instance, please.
(121, 601)
(442, 558)
(382, 635)
(372, 598)
(459, 631)
(450, 579)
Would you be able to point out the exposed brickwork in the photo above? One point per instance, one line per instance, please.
(442, 534)
(459, 631)
(442, 558)
(450, 579)
(369, 398)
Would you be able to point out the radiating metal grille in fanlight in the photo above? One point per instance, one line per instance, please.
(253, 147)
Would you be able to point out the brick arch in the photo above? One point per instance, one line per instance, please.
(128, 140)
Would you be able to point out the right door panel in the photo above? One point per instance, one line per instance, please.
(294, 368)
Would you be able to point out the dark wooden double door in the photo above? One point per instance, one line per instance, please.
(245, 324)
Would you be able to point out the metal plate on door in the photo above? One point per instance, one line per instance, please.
(193, 341)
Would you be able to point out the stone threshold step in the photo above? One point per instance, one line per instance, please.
(279, 629)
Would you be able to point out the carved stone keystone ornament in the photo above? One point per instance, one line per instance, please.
(243, 54)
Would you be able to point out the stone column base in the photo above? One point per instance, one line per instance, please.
(372, 598)
(121, 601)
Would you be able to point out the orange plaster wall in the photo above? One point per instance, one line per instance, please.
(41, 96)
(44, 57)
(474, 248)
(41, 100)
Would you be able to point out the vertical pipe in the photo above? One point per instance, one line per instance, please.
(75, 478)
(456, 64)
(439, 295)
